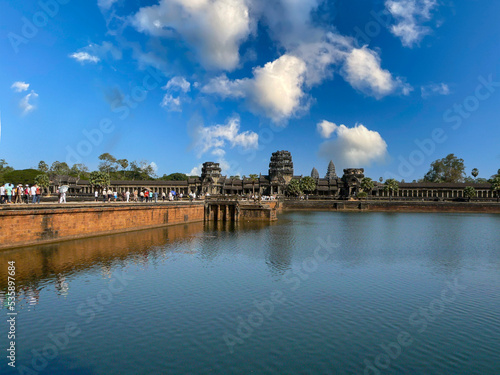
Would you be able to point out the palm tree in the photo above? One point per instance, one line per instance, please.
(391, 185)
(475, 172)
(253, 178)
(367, 185)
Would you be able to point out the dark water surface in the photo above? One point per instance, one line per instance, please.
(314, 293)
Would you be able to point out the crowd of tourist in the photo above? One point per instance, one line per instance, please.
(145, 195)
(11, 194)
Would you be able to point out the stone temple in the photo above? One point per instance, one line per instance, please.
(279, 175)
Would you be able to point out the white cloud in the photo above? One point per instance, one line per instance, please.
(105, 4)
(214, 28)
(20, 86)
(326, 128)
(85, 57)
(94, 53)
(410, 16)
(353, 147)
(274, 91)
(435, 89)
(171, 103)
(26, 105)
(178, 83)
(215, 137)
(363, 71)
(154, 166)
(196, 171)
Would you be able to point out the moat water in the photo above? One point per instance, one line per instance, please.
(314, 293)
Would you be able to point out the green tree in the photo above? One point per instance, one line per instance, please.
(392, 186)
(174, 177)
(58, 170)
(253, 178)
(108, 163)
(449, 169)
(293, 188)
(142, 170)
(99, 179)
(43, 181)
(469, 192)
(367, 185)
(79, 171)
(475, 172)
(495, 186)
(20, 176)
(43, 166)
(307, 184)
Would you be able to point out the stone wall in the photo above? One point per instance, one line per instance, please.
(34, 225)
(401, 206)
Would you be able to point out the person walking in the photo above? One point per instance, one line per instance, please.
(115, 195)
(19, 194)
(163, 196)
(33, 194)
(127, 195)
(142, 196)
(96, 195)
(8, 191)
(156, 196)
(146, 195)
(26, 194)
(38, 193)
(135, 195)
(3, 195)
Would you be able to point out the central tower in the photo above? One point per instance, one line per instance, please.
(281, 166)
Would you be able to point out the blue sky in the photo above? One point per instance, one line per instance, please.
(386, 85)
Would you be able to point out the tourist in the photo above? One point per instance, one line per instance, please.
(33, 194)
(170, 196)
(38, 193)
(180, 196)
(146, 195)
(110, 194)
(62, 198)
(156, 196)
(135, 195)
(127, 196)
(26, 193)
(96, 195)
(8, 190)
(142, 196)
(3, 194)
(115, 195)
(163, 196)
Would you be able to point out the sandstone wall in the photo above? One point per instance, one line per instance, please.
(42, 224)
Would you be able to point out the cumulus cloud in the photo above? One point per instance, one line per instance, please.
(410, 15)
(214, 28)
(26, 104)
(215, 137)
(178, 83)
(326, 128)
(275, 90)
(85, 57)
(20, 86)
(352, 147)
(363, 71)
(435, 89)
